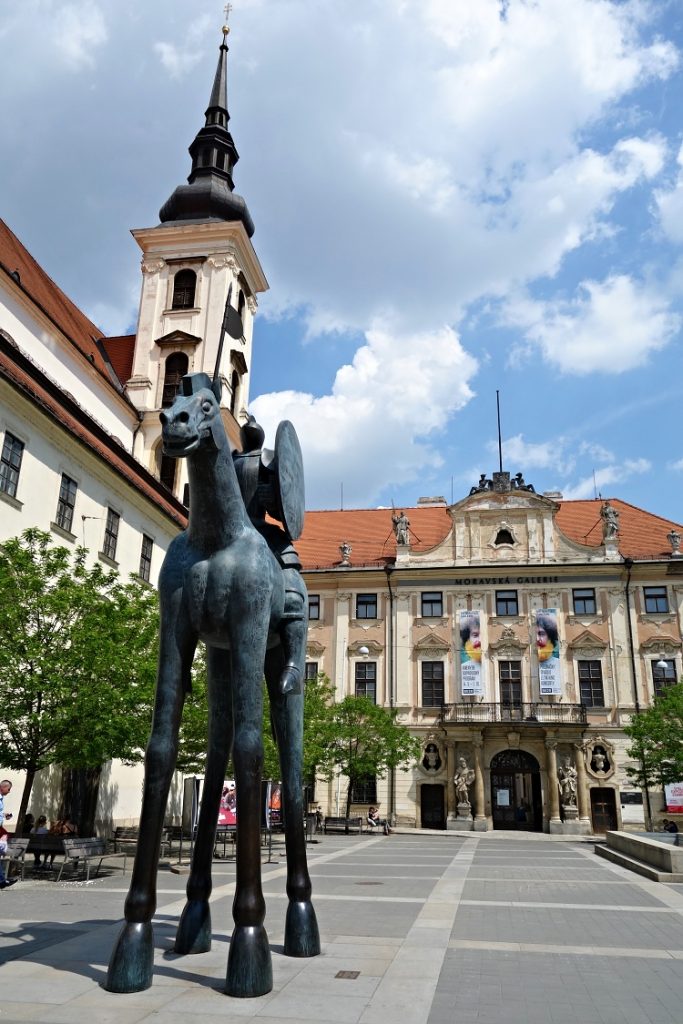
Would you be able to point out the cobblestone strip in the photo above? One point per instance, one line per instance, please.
(407, 988)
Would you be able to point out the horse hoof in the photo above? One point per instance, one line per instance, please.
(132, 959)
(250, 970)
(194, 930)
(301, 930)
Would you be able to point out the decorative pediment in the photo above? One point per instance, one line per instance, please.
(587, 641)
(238, 361)
(175, 338)
(431, 642)
(509, 641)
(660, 645)
(314, 649)
(374, 648)
(433, 761)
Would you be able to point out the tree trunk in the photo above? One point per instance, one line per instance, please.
(80, 788)
(349, 794)
(25, 797)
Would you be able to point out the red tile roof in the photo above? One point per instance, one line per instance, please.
(120, 351)
(641, 534)
(370, 533)
(49, 297)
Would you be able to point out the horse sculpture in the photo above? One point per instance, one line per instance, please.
(220, 583)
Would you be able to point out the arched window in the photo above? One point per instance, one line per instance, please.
(184, 286)
(176, 368)
(234, 387)
(241, 305)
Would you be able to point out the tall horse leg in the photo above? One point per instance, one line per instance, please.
(194, 930)
(130, 966)
(301, 927)
(250, 971)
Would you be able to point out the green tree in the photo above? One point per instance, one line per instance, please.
(362, 739)
(657, 736)
(78, 653)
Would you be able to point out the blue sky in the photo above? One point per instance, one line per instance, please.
(450, 198)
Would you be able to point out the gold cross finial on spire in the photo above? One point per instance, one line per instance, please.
(226, 28)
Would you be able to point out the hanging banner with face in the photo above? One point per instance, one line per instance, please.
(471, 671)
(548, 649)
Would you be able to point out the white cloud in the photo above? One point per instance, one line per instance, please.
(78, 29)
(610, 326)
(606, 477)
(178, 59)
(669, 202)
(677, 465)
(374, 428)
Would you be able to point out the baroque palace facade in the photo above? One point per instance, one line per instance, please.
(516, 634)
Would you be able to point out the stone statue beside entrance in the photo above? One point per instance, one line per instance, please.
(567, 783)
(463, 779)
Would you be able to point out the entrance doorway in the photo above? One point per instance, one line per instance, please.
(604, 809)
(432, 810)
(516, 799)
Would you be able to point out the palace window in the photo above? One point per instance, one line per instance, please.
(507, 602)
(311, 670)
(591, 690)
(364, 790)
(366, 606)
(432, 604)
(111, 534)
(510, 683)
(66, 503)
(184, 287)
(663, 675)
(366, 680)
(10, 464)
(584, 601)
(656, 599)
(432, 684)
(175, 370)
(146, 558)
(314, 606)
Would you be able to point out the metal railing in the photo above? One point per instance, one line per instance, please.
(535, 712)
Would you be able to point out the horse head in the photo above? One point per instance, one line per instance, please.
(194, 418)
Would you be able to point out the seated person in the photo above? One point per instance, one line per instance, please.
(375, 821)
(40, 829)
(62, 827)
(671, 826)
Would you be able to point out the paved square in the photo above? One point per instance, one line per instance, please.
(441, 929)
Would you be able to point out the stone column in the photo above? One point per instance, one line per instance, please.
(581, 784)
(480, 824)
(553, 790)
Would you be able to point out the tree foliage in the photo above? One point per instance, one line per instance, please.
(78, 654)
(657, 740)
(362, 739)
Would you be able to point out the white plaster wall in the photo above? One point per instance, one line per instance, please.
(37, 338)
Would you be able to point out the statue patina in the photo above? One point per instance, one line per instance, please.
(234, 586)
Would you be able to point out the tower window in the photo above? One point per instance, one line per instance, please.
(184, 287)
(234, 388)
(176, 368)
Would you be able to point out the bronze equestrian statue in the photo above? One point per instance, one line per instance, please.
(231, 583)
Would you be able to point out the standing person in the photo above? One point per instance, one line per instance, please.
(5, 787)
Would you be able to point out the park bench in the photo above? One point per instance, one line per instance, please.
(15, 855)
(126, 837)
(79, 854)
(345, 825)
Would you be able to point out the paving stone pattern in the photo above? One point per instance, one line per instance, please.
(417, 928)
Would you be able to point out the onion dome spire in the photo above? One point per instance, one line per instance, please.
(209, 194)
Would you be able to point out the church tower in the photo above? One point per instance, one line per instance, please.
(200, 253)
